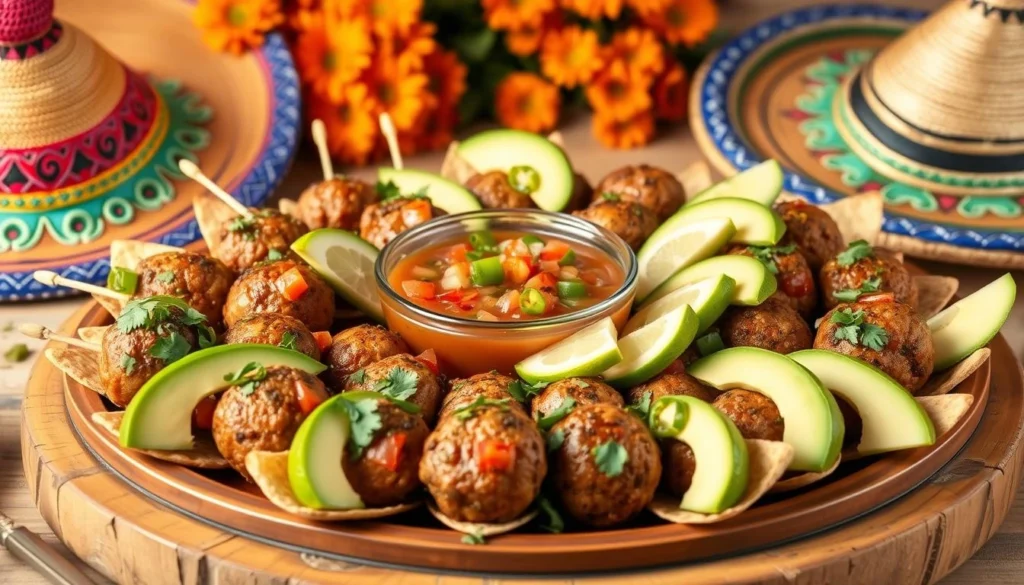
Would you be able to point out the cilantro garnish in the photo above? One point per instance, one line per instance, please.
(170, 348)
(609, 196)
(127, 364)
(207, 337)
(610, 457)
(357, 377)
(554, 440)
(854, 252)
(166, 277)
(364, 421)
(852, 328)
(553, 522)
(243, 224)
(521, 390)
(641, 408)
(474, 538)
(874, 337)
(248, 378)
(563, 410)
(767, 254)
(421, 193)
(288, 341)
(150, 312)
(400, 384)
(851, 295)
(274, 255)
(470, 410)
(389, 190)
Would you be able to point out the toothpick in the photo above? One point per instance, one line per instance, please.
(53, 279)
(192, 171)
(320, 139)
(387, 128)
(36, 331)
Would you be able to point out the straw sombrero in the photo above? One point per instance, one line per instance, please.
(95, 112)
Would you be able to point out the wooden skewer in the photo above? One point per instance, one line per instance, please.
(53, 279)
(36, 331)
(387, 128)
(192, 171)
(320, 139)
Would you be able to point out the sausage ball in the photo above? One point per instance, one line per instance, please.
(793, 273)
(494, 191)
(336, 203)
(582, 192)
(259, 290)
(754, 414)
(398, 374)
(607, 467)
(654, 188)
(489, 385)
(888, 335)
(387, 470)
(865, 269)
(582, 390)
(201, 281)
(266, 418)
(671, 384)
(485, 464)
(631, 221)
(773, 325)
(382, 222)
(357, 347)
(274, 329)
(245, 242)
(812, 229)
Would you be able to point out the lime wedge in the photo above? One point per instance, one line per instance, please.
(708, 298)
(588, 352)
(675, 246)
(345, 261)
(650, 349)
(760, 183)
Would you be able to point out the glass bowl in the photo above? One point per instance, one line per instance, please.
(468, 346)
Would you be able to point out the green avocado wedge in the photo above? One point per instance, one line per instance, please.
(755, 224)
(892, 419)
(972, 322)
(346, 262)
(315, 471)
(708, 298)
(667, 252)
(160, 416)
(813, 423)
(449, 196)
(723, 464)
(761, 183)
(753, 281)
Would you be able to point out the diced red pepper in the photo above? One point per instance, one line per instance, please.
(202, 415)
(797, 284)
(517, 270)
(554, 250)
(416, 212)
(458, 253)
(388, 451)
(309, 398)
(292, 285)
(417, 289)
(550, 266)
(544, 282)
(882, 297)
(323, 339)
(494, 455)
(429, 359)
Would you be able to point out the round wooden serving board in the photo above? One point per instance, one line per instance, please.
(228, 535)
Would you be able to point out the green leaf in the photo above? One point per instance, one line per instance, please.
(288, 341)
(851, 295)
(389, 190)
(554, 440)
(357, 377)
(364, 421)
(170, 348)
(563, 410)
(785, 250)
(873, 337)
(847, 317)
(474, 539)
(475, 46)
(766, 254)
(873, 284)
(610, 458)
(854, 252)
(193, 317)
(207, 336)
(166, 277)
(470, 410)
(553, 520)
(133, 316)
(247, 378)
(847, 295)
(127, 364)
(609, 196)
(274, 255)
(848, 332)
(642, 408)
(521, 390)
(399, 384)
(16, 353)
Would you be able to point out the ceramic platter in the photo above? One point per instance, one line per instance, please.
(254, 130)
(768, 94)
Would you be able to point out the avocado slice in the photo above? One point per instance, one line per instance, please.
(892, 419)
(755, 224)
(314, 459)
(814, 425)
(723, 465)
(972, 322)
(753, 281)
(761, 183)
(449, 196)
(533, 155)
(160, 415)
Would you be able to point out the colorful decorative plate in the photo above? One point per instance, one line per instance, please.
(102, 164)
(769, 93)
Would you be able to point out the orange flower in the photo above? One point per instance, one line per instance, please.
(648, 7)
(415, 46)
(438, 127)
(394, 18)
(401, 93)
(671, 93)
(685, 21)
(527, 102)
(527, 40)
(640, 50)
(595, 9)
(570, 56)
(515, 14)
(630, 133)
(302, 14)
(328, 61)
(616, 94)
(235, 26)
(351, 125)
(447, 77)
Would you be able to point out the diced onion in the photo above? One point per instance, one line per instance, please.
(424, 273)
(508, 301)
(485, 316)
(568, 273)
(454, 278)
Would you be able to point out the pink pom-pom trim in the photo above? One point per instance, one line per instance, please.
(24, 20)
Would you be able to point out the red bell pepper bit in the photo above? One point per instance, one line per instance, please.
(797, 284)
(323, 339)
(308, 397)
(882, 297)
(202, 415)
(494, 455)
(388, 451)
(292, 285)
(429, 359)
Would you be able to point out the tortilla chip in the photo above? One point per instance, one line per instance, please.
(768, 461)
(203, 456)
(934, 292)
(479, 528)
(211, 214)
(270, 472)
(128, 253)
(557, 139)
(803, 480)
(695, 178)
(93, 334)
(113, 306)
(945, 411)
(859, 217)
(289, 207)
(78, 364)
(454, 167)
(945, 381)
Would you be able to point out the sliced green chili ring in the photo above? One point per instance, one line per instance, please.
(122, 280)
(531, 239)
(486, 271)
(474, 255)
(524, 179)
(710, 343)
(482, 241)
(571, 289)
(569, 259)
(532, 302)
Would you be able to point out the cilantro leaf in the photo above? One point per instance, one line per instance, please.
(847, 295)
(554, 440)
(288, 341)
(469, 411)
(546, 422)
(400, 383)
(848, 332)
(170, 348)
(854, 329)
(851, 295)
(388, 190)
(166, 277)
(553, 520)
(766, 255)
(274, 255)
(873, 337)
(193, 317)
(610, 457)
(133, 316)
(854, 252)
(207, 336)
(364, 421)
(847, 317)
(474, 538)
(609, 196)
(244, 225)
(127, 364)
(248, 378)
(521, 390)
(642, 407)
(357, 377)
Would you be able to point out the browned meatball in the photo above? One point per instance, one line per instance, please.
(671, 385)
(274, 329)
(265, 419)
(654, 188)
(485, 464)
(337, 203)
(906, 352)
(796, 281)
(755, 415)
(382, 222)
(812, 229)
(865, 269)
(852, 423)
(201, 281)
(387, 470)
(607, 467)
(245, 242)
(357, 347)
(582, 191)
(629, 220)
(489, 385)
(773, 325)
(398, 375)
(581, 390)
(495, 192)
(257, 290)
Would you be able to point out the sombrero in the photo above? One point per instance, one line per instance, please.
(95, 112)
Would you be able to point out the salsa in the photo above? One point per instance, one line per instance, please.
(506, 276)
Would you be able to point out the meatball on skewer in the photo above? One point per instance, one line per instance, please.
(335, 203)
(773, 325)
(200, 281)
(654, 188)
(791, 270)
(495, 190)
(382, 222)
(863, 269)
(580, 390)
(489, 386)
(812, 229)
(355, 348)
(274, 329)
(629, 220)
(286, 287)
(402, 377)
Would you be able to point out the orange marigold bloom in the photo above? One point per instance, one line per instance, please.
(685, 21)
(671, 92)
(394, 18)
(594, 9)
(401, 93)
(570, 56)
(413, 48)
(303, 14)
(447, 77)
(617, 94)
(515, 14)
(438, 127)
(351, 125)
(640, 51)
(648, 7)
(328, 60)
(527, 102)
(234, 26)
(527, 40)
(630, 133)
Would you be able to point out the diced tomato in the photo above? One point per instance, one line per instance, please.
(464, 298)
(494, 455)
(292, 285)
(323, 339)
(417, 289)
(517, 270)
(882, 297)
(508, 301)
(544, 282)
(554, 250)
(202, 415)
(458, 252)
(550, 266)
(309, 398)
(429, 359)
(388, 451)
(797, 284)
(416, 212)
(517, 248)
